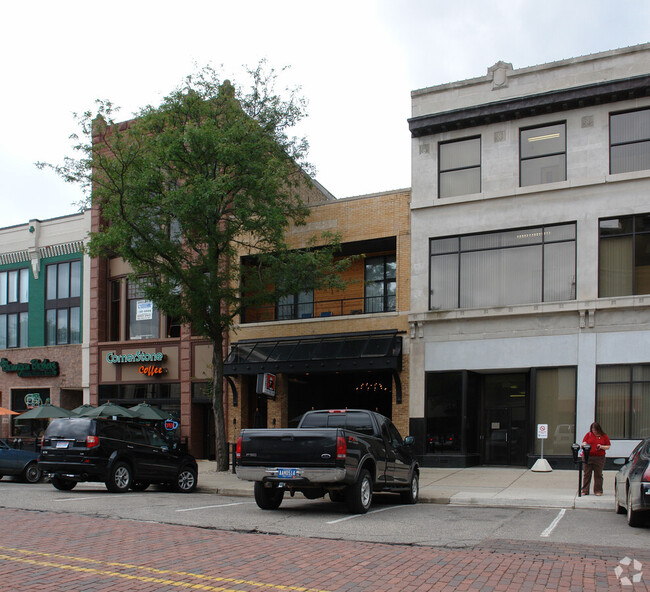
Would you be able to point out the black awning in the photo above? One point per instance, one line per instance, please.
(377, 350)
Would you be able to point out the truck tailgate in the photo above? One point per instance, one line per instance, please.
(289, 448)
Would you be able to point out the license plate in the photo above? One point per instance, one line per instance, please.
(287, 473)
(60, 444)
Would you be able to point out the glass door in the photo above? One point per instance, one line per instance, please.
(505, 404)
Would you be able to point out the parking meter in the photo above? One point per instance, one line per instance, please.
(575, 448)
(586, 449)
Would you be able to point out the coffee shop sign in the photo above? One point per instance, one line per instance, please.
(31, 369)
(140, 357)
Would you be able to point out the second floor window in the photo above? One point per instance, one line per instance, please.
(543, 154)
(296, 306)
(503, 268)
(629, 135)
(459, 167)
(144, 318)
(624, 256)
(14, 307)
(380, 283)
(63, 303)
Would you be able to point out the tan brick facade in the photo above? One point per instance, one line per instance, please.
(358, 220)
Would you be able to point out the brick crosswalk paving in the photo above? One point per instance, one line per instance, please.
(42, 551)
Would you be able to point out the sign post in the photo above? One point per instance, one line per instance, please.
(542, 465)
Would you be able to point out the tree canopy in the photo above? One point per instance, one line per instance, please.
(189, 187)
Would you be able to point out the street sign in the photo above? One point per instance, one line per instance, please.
(542, 431)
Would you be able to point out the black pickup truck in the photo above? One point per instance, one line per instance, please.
(348, 453)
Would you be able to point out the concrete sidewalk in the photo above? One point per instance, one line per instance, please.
(475, 486)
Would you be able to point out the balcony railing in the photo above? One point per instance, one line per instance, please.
(318, 309)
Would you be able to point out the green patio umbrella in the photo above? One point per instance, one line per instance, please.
(46, 411)
(82, 409)
(107, 410)
(149, 412)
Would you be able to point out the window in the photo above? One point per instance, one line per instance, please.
(380, 283)
(624, 256)
(629, 137)
(63, 303)
(14, 307)
(143, 313)
(115, 290)
(555, 405)
(503, 268)
(296, 306)
(543, 154)
(623, 401)
(459, 166)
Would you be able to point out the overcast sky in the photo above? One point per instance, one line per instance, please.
(356, 61)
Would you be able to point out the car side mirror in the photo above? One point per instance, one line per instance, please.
(409, 440)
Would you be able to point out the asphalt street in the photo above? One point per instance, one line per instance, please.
(74, 552)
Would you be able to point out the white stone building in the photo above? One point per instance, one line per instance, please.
(530, 293)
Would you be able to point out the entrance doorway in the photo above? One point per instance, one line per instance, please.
(505, 405)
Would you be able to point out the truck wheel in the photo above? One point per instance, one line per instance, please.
(359, 495)
(411, 496)
(63, 484)
(268, 498)
(337, 496)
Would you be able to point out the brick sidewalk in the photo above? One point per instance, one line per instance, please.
(41, 551)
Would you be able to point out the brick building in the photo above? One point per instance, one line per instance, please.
(346, 349)
(44, 278)
(140, 354)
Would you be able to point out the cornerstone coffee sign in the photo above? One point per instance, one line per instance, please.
(142, 358)
(31, 369)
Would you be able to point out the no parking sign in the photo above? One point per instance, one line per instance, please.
(542, 431)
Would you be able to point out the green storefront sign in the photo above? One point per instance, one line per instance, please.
(31, 369)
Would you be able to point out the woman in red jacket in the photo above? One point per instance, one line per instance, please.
(599, 443)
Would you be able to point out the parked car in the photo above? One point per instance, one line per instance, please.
(347, 453)
(22, 463)
(632, 485)
(124, 455)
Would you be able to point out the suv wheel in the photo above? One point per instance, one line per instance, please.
(185, 480)
(120, 478)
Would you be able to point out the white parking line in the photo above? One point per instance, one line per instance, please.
(371, 512)
(552, 525)
(75, 499)
(217, 506)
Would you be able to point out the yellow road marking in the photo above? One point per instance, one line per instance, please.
(144, 568)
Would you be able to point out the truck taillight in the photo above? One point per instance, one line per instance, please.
(341, 448)
(238, 449)
(92, 441)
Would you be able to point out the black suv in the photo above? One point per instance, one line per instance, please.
(124, 455)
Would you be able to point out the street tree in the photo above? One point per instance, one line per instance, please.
(191, 189)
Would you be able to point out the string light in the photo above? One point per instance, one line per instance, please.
(371, 386)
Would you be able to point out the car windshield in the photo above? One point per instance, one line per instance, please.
(73, 427)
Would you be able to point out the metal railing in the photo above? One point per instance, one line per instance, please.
(318, 309)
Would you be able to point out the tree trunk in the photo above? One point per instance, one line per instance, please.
(221, 447)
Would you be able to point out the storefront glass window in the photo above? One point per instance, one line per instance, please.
(444, 396)
(623, 401)
(555, 405)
